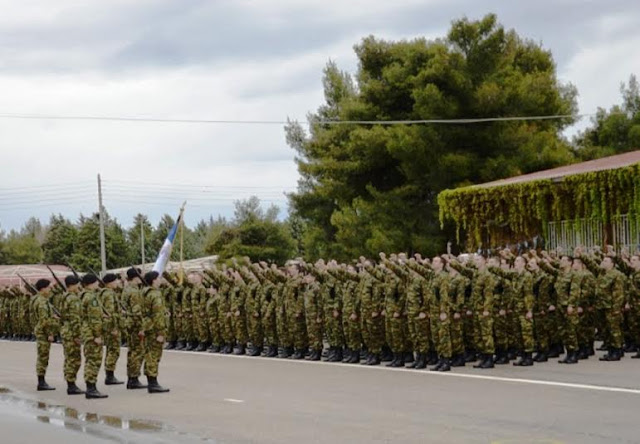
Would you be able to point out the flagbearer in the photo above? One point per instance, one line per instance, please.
(46, 327)
(155, 330)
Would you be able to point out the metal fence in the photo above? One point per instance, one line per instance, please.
(588, 233)
(568, 234)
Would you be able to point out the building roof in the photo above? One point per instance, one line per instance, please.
(556, 174)
(9, 273)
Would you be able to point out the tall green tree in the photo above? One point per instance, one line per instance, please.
(254, 233)
(141, 227)
(21, 248)
(368, 188)
(60, 240)
(613, 131)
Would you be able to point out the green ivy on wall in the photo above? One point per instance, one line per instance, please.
(501, 214)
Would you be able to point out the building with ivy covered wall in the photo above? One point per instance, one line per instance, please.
(584, 204)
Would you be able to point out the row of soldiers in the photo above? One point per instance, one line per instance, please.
(91, 315)
(445, 312)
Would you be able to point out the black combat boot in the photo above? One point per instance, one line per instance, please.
(512, 354)
(272, 351)
(488, 362)
(437, 366)
(339, 354)
(191, 346)
(316, 355)
(386, 354)
(73, 389)
(373, 359)
(299, 354)
(445, 365)
(201, 347)
(394, 361)
(629, 347)
(354, 358)
(525, 360)
(408, 357)
(346, 355)
(470, 356)
(154, 387)
(255, 350)
(421, 362)
(614, 354)
(541, 356)
(42, 385)
(400, 361)
(555, 350)
(214, 348)
(583, 353)
(241, 349)
(180, 345)
(414, 362)
(570, 358)
(458, 361)
(331, 355)
(170, 345)
(501, 357)
(432, 358)
(93, 393)
(111, 379)
(637, 355)
(135, 384)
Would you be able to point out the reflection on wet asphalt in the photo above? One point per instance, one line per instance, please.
(112, 428)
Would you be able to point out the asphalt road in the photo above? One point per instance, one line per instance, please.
(255, 400)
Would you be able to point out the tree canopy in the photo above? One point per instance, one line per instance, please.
(369, 188)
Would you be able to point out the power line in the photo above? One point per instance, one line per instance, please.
(191, 185)
(288, 121)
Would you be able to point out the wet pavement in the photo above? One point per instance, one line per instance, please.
(22, 417)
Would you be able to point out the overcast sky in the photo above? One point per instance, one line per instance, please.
(226, 60)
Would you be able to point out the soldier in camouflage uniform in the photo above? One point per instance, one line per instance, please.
(268, 291)
(294, 303)
(71, 333)
(47, 326)
(132, 302)
(634, 298)
(155, 328)
(332, 306)
(418, 312)
(372, 306)
(313, 312)
(93, 320)
(542, 288)
(199, 298)
(460, 291)
(111, 327)
(582, 294)
(394, 312)
(350, 313)
(253, 308)
(239, 314)
(610, 295)
(483, 288)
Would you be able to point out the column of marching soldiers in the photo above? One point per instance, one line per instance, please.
(412, 311)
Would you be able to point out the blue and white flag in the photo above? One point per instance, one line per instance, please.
(165, 251)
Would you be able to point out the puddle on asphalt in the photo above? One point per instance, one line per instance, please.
(100, 426)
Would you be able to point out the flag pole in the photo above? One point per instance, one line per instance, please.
(181, 273)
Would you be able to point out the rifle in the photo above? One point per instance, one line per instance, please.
(34, 292)
(98, 276)
(138, 275)
(56, 279)
(73, 271)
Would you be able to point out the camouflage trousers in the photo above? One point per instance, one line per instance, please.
(333, 328)
(202, 327)
(152, 355)
(112, 355)
(586, 329)
(284, 335)
(541, 327)
(269, 328)
(72, 359)
(395, 333)
(421, 331)
(526, 333)
(314, 331)
(352, 335)
(483, 329)
(43, 347)
(457, 336)
(254, 326)
(135, 354)
(373, 332)
(501, 331)
(188, 327)
(92, 361)
(614, 328)
(239, 323)
(443, 346)
(298, 329)
(226, 328)
(569, 329)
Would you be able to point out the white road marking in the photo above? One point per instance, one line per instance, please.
(452, 374)
(237, 401)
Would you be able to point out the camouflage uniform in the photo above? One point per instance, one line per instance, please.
(610, 292)
(459, 290)
(154, 325)
(132, 301)
(482, 302)
(46, 325)
(395, 301)
(313, 311)
(253, 306)
(71, 310)
(371, 307)
(111, 327)
(93, 321)
(332, 306)
(294, 302)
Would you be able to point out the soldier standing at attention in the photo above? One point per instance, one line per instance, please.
(610, 294)
(46, 326)
(93, 319)
(155, 329)
(72, 334)
(112, 335)
(132, 300)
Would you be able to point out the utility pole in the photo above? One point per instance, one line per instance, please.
(103, 254)
(142, 240)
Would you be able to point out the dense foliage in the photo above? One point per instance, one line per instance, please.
(370, 188)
